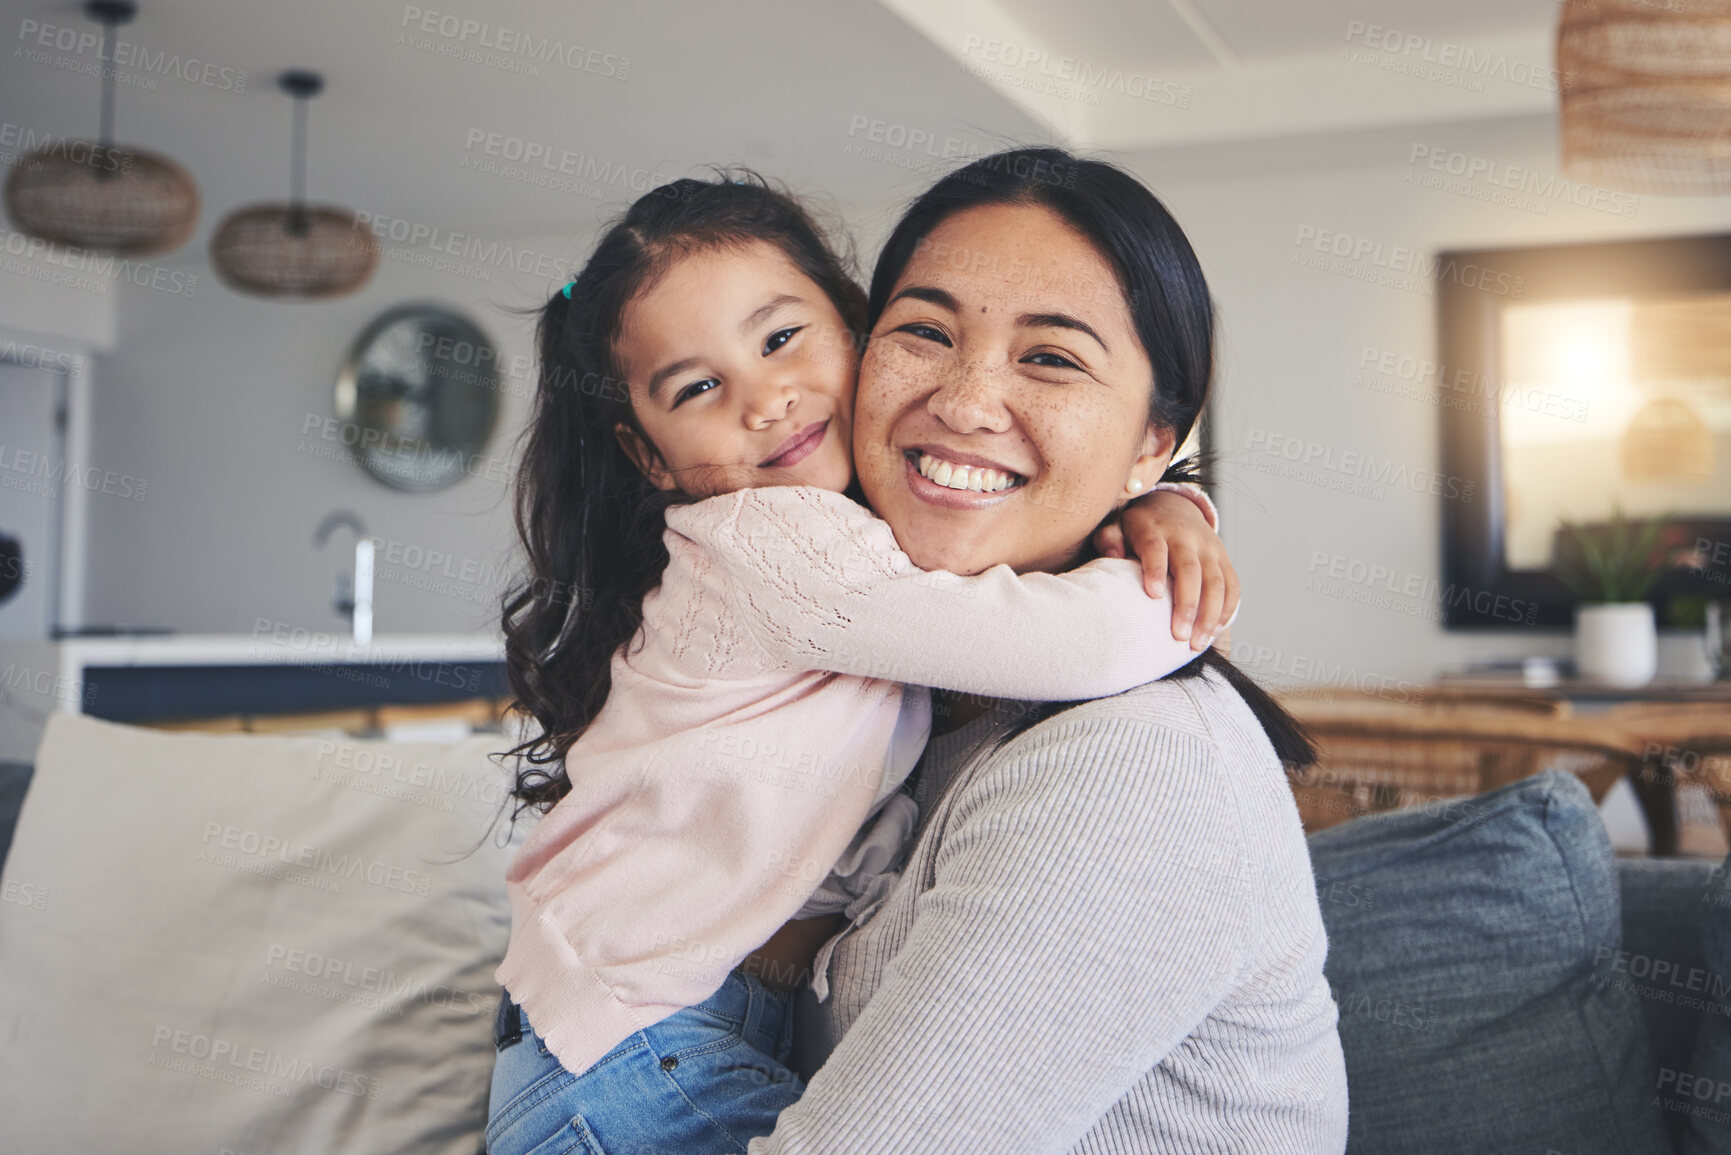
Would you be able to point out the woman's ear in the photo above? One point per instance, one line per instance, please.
(1158, 445)
(644, 457)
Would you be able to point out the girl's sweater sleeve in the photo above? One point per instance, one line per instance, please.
(1194, 493)
(1071, 937)
(821, 584)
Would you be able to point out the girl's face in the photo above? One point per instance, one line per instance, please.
(1007, 347)
(741, 373)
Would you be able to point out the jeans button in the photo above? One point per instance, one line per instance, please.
(669, 1063)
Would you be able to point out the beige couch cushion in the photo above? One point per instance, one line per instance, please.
(251, 944)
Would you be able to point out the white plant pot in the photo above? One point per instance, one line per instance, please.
(1616, 643)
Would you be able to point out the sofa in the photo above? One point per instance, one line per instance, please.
(246, 944)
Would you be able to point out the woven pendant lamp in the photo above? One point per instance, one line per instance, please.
(295, 249)
(94, 195)
(1646, 94)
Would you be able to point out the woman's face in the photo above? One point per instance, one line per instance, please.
(1006, 347)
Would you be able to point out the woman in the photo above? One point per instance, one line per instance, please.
(1106, 937)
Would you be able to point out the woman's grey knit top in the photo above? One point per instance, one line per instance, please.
(1105, 940)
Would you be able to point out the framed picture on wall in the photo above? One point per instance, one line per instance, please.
(1583, 386)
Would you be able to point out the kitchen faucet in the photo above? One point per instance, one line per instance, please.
(356, 602)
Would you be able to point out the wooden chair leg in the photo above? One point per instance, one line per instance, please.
(1656, 786)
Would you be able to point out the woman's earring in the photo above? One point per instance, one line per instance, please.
(1135, 485)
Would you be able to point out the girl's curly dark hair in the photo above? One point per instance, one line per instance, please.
(590, 522)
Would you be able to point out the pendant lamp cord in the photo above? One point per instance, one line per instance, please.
(105, 135)
(298, 170)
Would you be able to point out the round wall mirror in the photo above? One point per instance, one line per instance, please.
(419, 393)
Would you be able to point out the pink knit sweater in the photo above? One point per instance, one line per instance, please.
(745, 736)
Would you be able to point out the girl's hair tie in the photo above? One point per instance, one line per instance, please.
(566, 291)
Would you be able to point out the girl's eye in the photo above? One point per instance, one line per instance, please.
(692, 390)
(928, 332)
(1050, 360)
(779, 338)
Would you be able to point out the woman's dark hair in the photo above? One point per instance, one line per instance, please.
(1167, 295)
(590, 521)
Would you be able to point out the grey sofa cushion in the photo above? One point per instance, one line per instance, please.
(1700, 1093)
(1661, 920)
(1463, 937)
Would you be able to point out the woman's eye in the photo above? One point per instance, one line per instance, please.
(692, 390)
(779, 338)
(1050, 360)
(928, 332)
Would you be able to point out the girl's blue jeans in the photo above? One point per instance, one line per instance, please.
(708, 1078)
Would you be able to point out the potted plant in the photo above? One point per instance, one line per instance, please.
(1611, 568)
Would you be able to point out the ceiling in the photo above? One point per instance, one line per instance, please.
(428, 120)
(779, 84)
(1166, 73)
(1259, 29)
(1151, 33)
(1179, 34)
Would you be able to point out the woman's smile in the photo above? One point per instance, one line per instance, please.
(958, 480)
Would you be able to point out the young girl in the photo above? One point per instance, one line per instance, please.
(714, 645)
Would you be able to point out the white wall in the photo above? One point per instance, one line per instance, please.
(1292, 340)
(217, 403)
(65, 298)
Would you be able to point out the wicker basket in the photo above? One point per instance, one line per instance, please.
(1646, 94)
(1376, 755)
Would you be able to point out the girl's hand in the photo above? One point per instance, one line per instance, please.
(1168, 531)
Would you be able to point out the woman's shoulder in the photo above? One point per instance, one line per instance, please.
(1202, 706)
(1085, 748)
(1189, 742)
(1175, 774)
